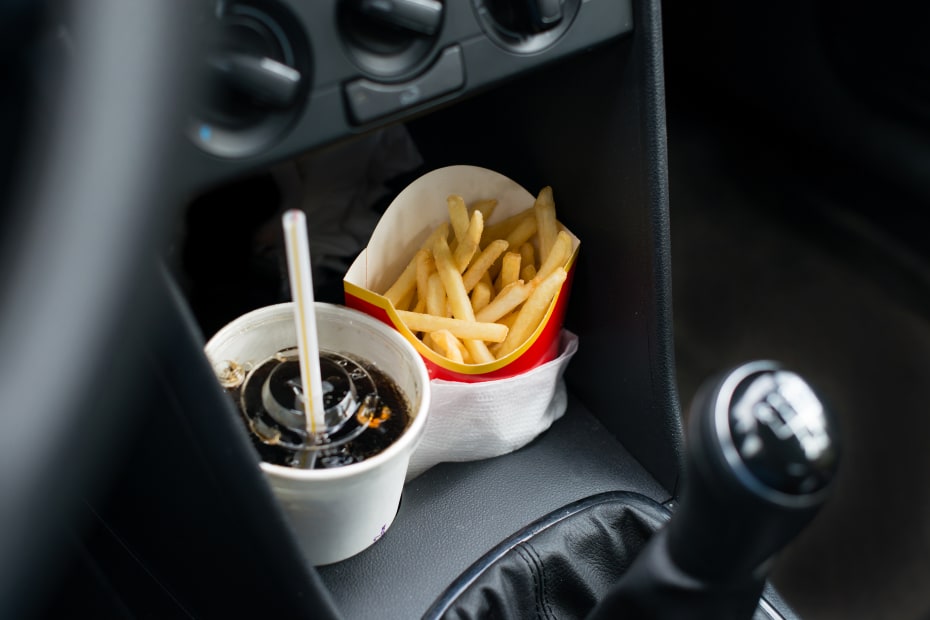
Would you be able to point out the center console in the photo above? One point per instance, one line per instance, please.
(567, 93)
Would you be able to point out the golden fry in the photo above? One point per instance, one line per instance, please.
(525, 229)
(404, 302)
(452, 282)
(480, 296)
(508, 319)
(447, 345)
(561, 252)
(528, 273)
(440, 231)
(425, 266)
(482, 263)
(501, 229)
(404, 284)
(458, 216)
(467, 330)
(478, 351)
(532, 312)
(527, 254)
(510, 270)
(458, 300)
(435, 295)
(468, 245)
(466, 356)
(546, 225)
(509, 298)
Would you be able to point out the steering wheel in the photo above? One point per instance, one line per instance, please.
(84, 215)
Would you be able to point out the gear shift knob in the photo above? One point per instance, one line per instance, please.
(774, 433)
(762, 451)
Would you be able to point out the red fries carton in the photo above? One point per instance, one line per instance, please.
(406, 225)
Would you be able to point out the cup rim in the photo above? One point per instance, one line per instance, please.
(410, 435)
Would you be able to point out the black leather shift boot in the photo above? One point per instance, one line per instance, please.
(557, 567)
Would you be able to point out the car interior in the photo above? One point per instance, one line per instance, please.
(744, 429)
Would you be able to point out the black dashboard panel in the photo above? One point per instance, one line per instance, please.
(352, 81)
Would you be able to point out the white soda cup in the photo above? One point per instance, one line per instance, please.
(338, 512)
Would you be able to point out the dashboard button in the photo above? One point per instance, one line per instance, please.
(368, 100)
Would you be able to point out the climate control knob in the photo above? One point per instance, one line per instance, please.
(526, 26)
(390, 38)
(256, 72)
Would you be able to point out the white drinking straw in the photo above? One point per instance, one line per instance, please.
(308, 347)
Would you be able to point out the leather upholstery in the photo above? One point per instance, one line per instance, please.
(557, 567)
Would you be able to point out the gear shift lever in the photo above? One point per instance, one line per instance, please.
(761, 454)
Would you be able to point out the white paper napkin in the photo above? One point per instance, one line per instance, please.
(472, 421)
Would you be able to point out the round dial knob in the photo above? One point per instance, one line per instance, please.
(257, 73)
(389, 38)
(526, 26)
(526, 16)
(253, 69)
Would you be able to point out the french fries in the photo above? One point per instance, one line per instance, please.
(482, 264)
(446, 344)
(475, 292)
(466, 330)
(435, 295)
(532, 311)
(481, 296)
(545, 222)
(510, 270)
(508, 299)
(468, 244)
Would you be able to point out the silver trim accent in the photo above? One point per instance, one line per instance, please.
(724, 435)
(769, 610)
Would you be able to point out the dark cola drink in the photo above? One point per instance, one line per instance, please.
(365, 411)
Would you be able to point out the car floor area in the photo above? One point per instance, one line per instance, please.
(767, 267)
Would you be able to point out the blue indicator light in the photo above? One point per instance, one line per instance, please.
(206, 132)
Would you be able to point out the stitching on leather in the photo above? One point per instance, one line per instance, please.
(652, 512)
(527, 558)
(543, 595)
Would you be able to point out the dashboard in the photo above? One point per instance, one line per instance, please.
(287, 76)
